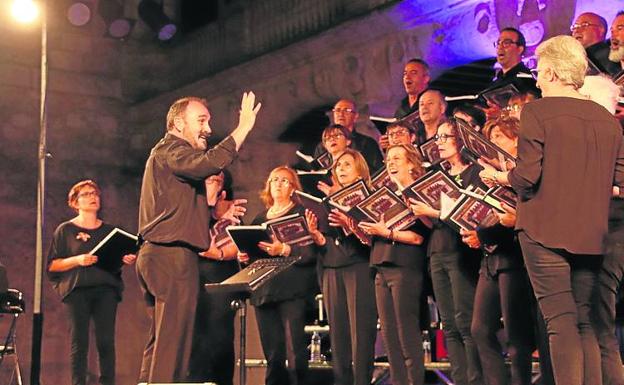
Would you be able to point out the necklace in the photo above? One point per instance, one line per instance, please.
(278, 211)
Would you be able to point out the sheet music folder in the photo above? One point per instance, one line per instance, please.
(113, 247)
(253, 276)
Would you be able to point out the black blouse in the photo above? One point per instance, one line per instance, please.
(70, 240)
(299, 281)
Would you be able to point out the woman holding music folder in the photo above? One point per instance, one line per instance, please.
(503, 288)
(347, 284)
(87, 290)
(454, 266)
(398, 259)
(281, 302)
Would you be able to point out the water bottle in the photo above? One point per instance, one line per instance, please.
(426, 347)
(315, 348)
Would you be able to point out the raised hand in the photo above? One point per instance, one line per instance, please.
(248, 112)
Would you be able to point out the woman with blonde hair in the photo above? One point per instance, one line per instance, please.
(347, 285)
(281, 303)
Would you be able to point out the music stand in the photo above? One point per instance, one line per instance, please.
(243, 284)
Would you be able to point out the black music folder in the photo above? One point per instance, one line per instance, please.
(291, 229)
(113, 247)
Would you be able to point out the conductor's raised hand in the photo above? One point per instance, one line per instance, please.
(248, 111)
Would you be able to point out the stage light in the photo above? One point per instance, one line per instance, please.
(79, 14)
(24, 11)
(112, 12)
(154, 16)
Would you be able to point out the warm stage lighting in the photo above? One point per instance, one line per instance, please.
(24, 11)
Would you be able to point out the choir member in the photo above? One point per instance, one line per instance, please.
(454, 266)
(398, 257)
(347, 285)
(281, 303)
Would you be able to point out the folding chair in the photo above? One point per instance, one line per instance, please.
(11, 303)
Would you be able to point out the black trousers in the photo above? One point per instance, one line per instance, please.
(212, 356)
(97, 303)
(454, 285)
(281, 327)
(609, 280)
(170, 281)
(565, 286)
(507, 294)
(349, 295)
(397, 290)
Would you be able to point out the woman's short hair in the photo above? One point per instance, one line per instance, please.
(508, 126)
(459, 142)
(360, 165)
(566, 57)
(72, 196)
(413, 156)
(336, 127)
(265, 194)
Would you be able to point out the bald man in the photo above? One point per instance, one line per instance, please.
(590, 30)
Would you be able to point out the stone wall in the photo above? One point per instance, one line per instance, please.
(108, 101)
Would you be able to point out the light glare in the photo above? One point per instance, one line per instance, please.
(24, 11)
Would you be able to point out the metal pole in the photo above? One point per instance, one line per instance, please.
(37, 294)
(241, 306)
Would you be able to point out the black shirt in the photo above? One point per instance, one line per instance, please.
(405, 109)
(386, 252)
(173, 208)
(341, 250)
(366, 145)
(520, 76)
(445, 239)
(70, 240)
(298, 281)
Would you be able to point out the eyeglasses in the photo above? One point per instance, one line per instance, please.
(343, 111)
(585, 24)
(327, 138)
(396, 133)
(282, 181)
(86, 194)
(442, 138)
(505, 43)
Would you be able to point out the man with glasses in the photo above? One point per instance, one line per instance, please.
(510, 47)
(590, 30)
(345, 114)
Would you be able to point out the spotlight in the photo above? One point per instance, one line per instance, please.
(79, 14)
(117, 26)
(24, 11)
(154, 16)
